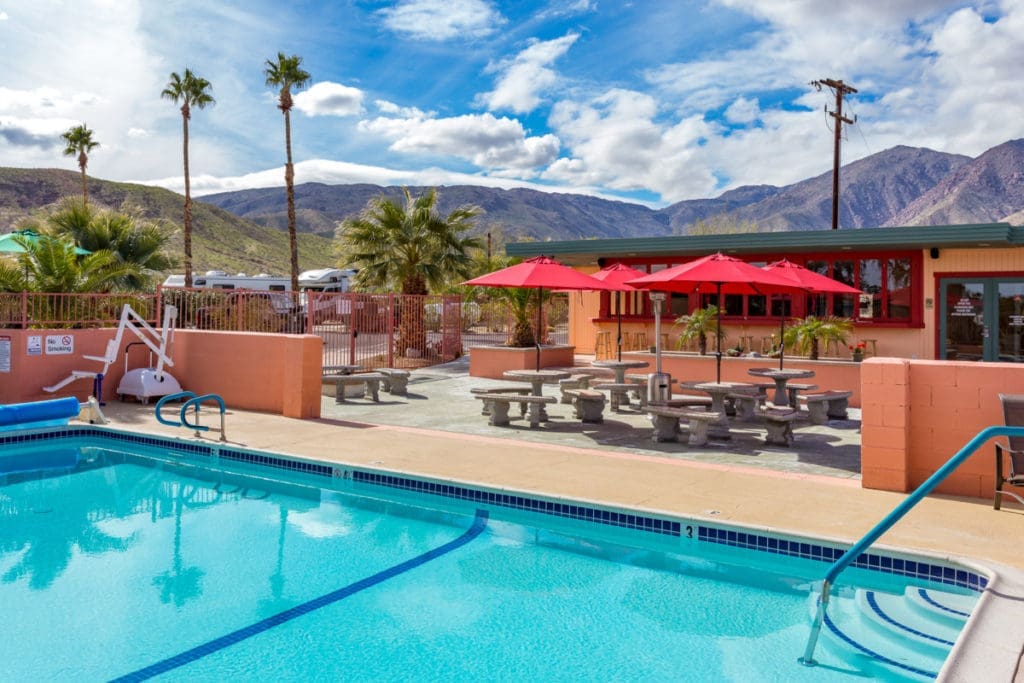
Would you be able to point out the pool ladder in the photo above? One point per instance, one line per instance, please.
(194, 403)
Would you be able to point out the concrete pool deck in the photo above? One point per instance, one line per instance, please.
(811, 489)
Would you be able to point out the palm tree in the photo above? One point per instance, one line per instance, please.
(192, 91)
(131, 238)
(805, 335)
(51, 265)
(412, 248)
(287, 73)
(78, 142)
(698, 325)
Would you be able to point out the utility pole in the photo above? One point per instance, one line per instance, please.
(841, 90)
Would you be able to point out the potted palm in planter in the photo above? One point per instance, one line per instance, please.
(807, 335)
(698, 325)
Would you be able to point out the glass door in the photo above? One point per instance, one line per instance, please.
(963, 315)
(982, 319)
(1011, 321)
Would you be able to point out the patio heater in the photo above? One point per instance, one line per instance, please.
(658, 383)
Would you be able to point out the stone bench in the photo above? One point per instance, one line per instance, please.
(573, 383)
(829, 404)
(666, 423)
(588, 404)
(500, 403)
(793, 391)
(745, 405)
(396, 381)
(745, 402)
(619, 393)
(510, 390)
(779, 423)
(683, 401)
(370, 380)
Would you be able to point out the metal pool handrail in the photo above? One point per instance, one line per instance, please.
(193, 402)
(889, 520)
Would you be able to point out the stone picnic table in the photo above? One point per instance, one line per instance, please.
(619, 367)
(718, 391)
(780, 377)
(537, 378)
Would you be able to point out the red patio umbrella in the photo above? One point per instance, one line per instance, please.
(718, 273)
(814, 283)
(537, 273)
(617, 275)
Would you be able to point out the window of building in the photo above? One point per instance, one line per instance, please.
(891, 282)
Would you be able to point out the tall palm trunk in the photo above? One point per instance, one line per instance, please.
(83, 161)
(412, 329)
(188, 200)
(289, 181)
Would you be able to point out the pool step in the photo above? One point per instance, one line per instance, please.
(908, 634)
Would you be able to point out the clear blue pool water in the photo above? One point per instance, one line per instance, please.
(131, 565)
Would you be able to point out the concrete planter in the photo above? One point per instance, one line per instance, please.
(493, 361)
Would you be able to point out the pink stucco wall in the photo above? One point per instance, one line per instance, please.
(266, 372)
(493, 361)
(916, 414)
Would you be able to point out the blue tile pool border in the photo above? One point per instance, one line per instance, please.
(731, 537)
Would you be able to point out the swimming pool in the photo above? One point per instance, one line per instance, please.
(127, 557)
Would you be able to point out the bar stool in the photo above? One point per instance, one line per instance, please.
(639, 341)
(747, 342)
(664, 340)
(767, 344)
(831, 345)
(603, 345)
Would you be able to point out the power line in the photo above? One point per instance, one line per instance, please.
(841, 90)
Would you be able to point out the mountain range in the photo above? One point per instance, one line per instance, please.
(245, 229)
(901, 186)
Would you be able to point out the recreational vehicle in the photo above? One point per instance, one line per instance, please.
(218, 279)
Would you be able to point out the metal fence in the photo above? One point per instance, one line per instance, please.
(372, 330)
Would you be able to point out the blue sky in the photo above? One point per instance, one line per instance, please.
(652, 101)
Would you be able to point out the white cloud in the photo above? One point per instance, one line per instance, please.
(138, 133)
(330, 99)
(393, 109)
(3, 16)
(42, 133)
(438, 20)
(525, 76)
(487, 141)
(743, 110)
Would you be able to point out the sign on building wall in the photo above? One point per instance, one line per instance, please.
(5, 354)
(34, 345)
(59, 344)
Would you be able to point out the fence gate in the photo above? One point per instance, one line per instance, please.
(386, 330)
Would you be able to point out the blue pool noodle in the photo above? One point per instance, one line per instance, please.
(55, 411)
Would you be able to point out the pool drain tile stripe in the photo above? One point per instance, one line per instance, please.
(831, 625)
(937, 605)
(235, 637)
(876, 608)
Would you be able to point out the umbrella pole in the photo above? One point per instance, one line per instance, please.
(540, 299)
(782, 333)
(618, 310)
(718, 336)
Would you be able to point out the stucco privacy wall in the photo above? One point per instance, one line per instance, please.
(916, 414)
(273, 373)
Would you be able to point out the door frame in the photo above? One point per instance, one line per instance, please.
(990, 304)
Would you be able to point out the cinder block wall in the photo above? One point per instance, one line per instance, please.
(916, 414)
